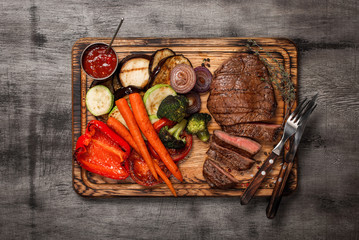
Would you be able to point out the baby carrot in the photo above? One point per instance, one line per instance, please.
(143, 121)
(127, 114)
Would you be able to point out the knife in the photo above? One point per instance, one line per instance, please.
(286, 168)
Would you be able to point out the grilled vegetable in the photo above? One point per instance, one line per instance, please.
(99, 100)
(158, 56)
(176, 154)
(155, 95)
(140, 172)
(194, 102)
(197, 124)
(183, 78)
(163, 71)
(102, 151)
(134, 71)
(173, 108)
(171, 137)
(204, 79)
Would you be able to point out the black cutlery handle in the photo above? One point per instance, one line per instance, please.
(258, 179)
(274, 202)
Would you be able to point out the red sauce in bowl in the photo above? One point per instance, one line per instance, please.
(97, 63)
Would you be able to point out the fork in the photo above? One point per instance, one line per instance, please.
(290, 127)
(288, 162)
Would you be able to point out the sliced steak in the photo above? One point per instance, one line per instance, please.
(216, 176)
(231, 159)
(240, 91)
(241, 145)
(259, 131)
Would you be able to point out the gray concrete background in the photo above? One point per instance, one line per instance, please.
(36, 198)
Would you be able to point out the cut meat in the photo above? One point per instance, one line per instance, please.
(231, 159)
(240, 91)
(216, 176)
(259, 131)
(241, 145)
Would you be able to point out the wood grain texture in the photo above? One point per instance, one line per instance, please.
(217, 50)
(37, 200)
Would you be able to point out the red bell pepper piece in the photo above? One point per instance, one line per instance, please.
(162, 123)
(102, 151)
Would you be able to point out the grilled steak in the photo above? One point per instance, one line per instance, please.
(216, 176)
(240, 91)
(231, 159)
(241, 145)
(259, 131)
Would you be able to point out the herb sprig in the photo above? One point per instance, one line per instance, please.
(279, 77)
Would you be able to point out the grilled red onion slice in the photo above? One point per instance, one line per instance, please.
(183, 78)
(204, 79)
(194, 100)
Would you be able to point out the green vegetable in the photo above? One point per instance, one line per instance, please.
(99, 100)
(197, 124)
(173, 108)
(171, 137)
(155, 95)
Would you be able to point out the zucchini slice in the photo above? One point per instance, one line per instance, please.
(155, 95)
(99, 100)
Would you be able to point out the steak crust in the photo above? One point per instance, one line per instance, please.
(259, 131)
(240, 91)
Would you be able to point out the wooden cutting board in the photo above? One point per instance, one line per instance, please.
(217, 50)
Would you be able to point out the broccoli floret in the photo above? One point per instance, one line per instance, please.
(197, 124)
(173, 108)
(171, 137)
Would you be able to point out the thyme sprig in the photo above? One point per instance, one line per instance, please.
(279, 77)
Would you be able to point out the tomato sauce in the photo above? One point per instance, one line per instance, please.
(97, 63)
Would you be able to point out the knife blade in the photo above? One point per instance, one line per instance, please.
(286, 168)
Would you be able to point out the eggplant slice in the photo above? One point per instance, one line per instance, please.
(134, 71)
(162, 72)
(158, 56)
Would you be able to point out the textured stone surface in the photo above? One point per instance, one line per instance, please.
(36, 198)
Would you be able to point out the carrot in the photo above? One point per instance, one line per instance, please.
(141, 116)
(121, 130)
(165, 179)
(127, 114)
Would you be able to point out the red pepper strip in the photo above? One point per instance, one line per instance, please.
(109, 148)
(162, 123)
(99, 151)
(111, 134)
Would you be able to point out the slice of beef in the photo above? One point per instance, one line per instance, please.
(259, 131)
(216, 176)
(241, 92)
(242, 145)
(231, 159)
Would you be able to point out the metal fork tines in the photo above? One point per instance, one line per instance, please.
(293, 121)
